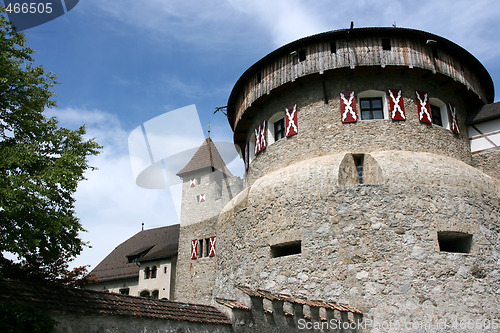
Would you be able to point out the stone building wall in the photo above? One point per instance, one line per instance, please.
(195, 277)
(373, 246)
(488, 161)
(321, 132)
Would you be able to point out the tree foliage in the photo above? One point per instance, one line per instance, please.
(41, 164)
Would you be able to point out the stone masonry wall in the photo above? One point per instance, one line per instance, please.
(488, 161)
(372, 246)
(195, 278)
(321, 131)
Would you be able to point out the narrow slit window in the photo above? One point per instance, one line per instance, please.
(286, 249)
(259, 77)
(200, 248)
(386, 44)
(453, 241)
(358, 162)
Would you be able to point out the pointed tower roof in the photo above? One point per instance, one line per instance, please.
(207, 156)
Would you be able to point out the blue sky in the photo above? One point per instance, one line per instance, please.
(122, 63)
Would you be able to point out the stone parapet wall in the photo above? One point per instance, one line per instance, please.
(488, 161)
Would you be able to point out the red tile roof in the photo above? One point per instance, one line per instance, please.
(152, 244)
(207, 157)
(58, 298)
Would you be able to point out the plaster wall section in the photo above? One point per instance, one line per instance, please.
(161, 283)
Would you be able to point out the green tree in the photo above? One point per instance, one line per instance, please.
(41, 165)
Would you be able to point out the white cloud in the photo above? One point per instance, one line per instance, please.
(109, 204)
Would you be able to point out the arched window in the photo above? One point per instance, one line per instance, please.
(439, 113)
(276, 127)
(153, 272)
(154, 294)
(145, 293)
(373, 105)
(146, 272)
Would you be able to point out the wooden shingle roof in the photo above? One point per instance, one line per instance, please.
(87, 302)
(206, 157)
(150, 244)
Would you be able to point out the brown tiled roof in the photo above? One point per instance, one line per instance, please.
(484, 113)
(57, 298)
(206, 157)
(153, 244)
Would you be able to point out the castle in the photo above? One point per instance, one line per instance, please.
(372, 179)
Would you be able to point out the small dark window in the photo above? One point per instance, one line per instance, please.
(371, 108)
(358, 162)
(259, 77)
(124, 291)
(333, 47)
(147, 273)
(436, 115)
(286, 249)
(302, 55)
(153, 272)
(154, 294)
(145, 293)
(165, 269)
(386, 44)
(279, 129)
(453, 241)
(434, 50)
(200, 248)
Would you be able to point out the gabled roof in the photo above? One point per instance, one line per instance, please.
(485, 113)
(146, 245)
(90, 302)
(206, 157)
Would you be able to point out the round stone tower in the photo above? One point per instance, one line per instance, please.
(360, 187)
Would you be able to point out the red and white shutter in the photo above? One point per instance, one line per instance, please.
(397, 108)
(424, 108)
(260, 137)
(247, 161)
(291, 120)
(211, 247)
(452, 111)
(202, 197)
(192, 182)
(348, 107)
(194, 249)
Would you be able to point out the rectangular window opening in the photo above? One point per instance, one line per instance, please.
(333, 47)
(436, 115)
(259, 77)
(358, 162)
(386, 44)
(205, 250)
(286, 249)
(124, 291)
(454, 241)
(302, 55)
(371, 108)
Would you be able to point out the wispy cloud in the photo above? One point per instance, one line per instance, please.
(110, 206)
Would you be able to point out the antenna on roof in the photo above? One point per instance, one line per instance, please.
(142, 226)
(352, 25)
